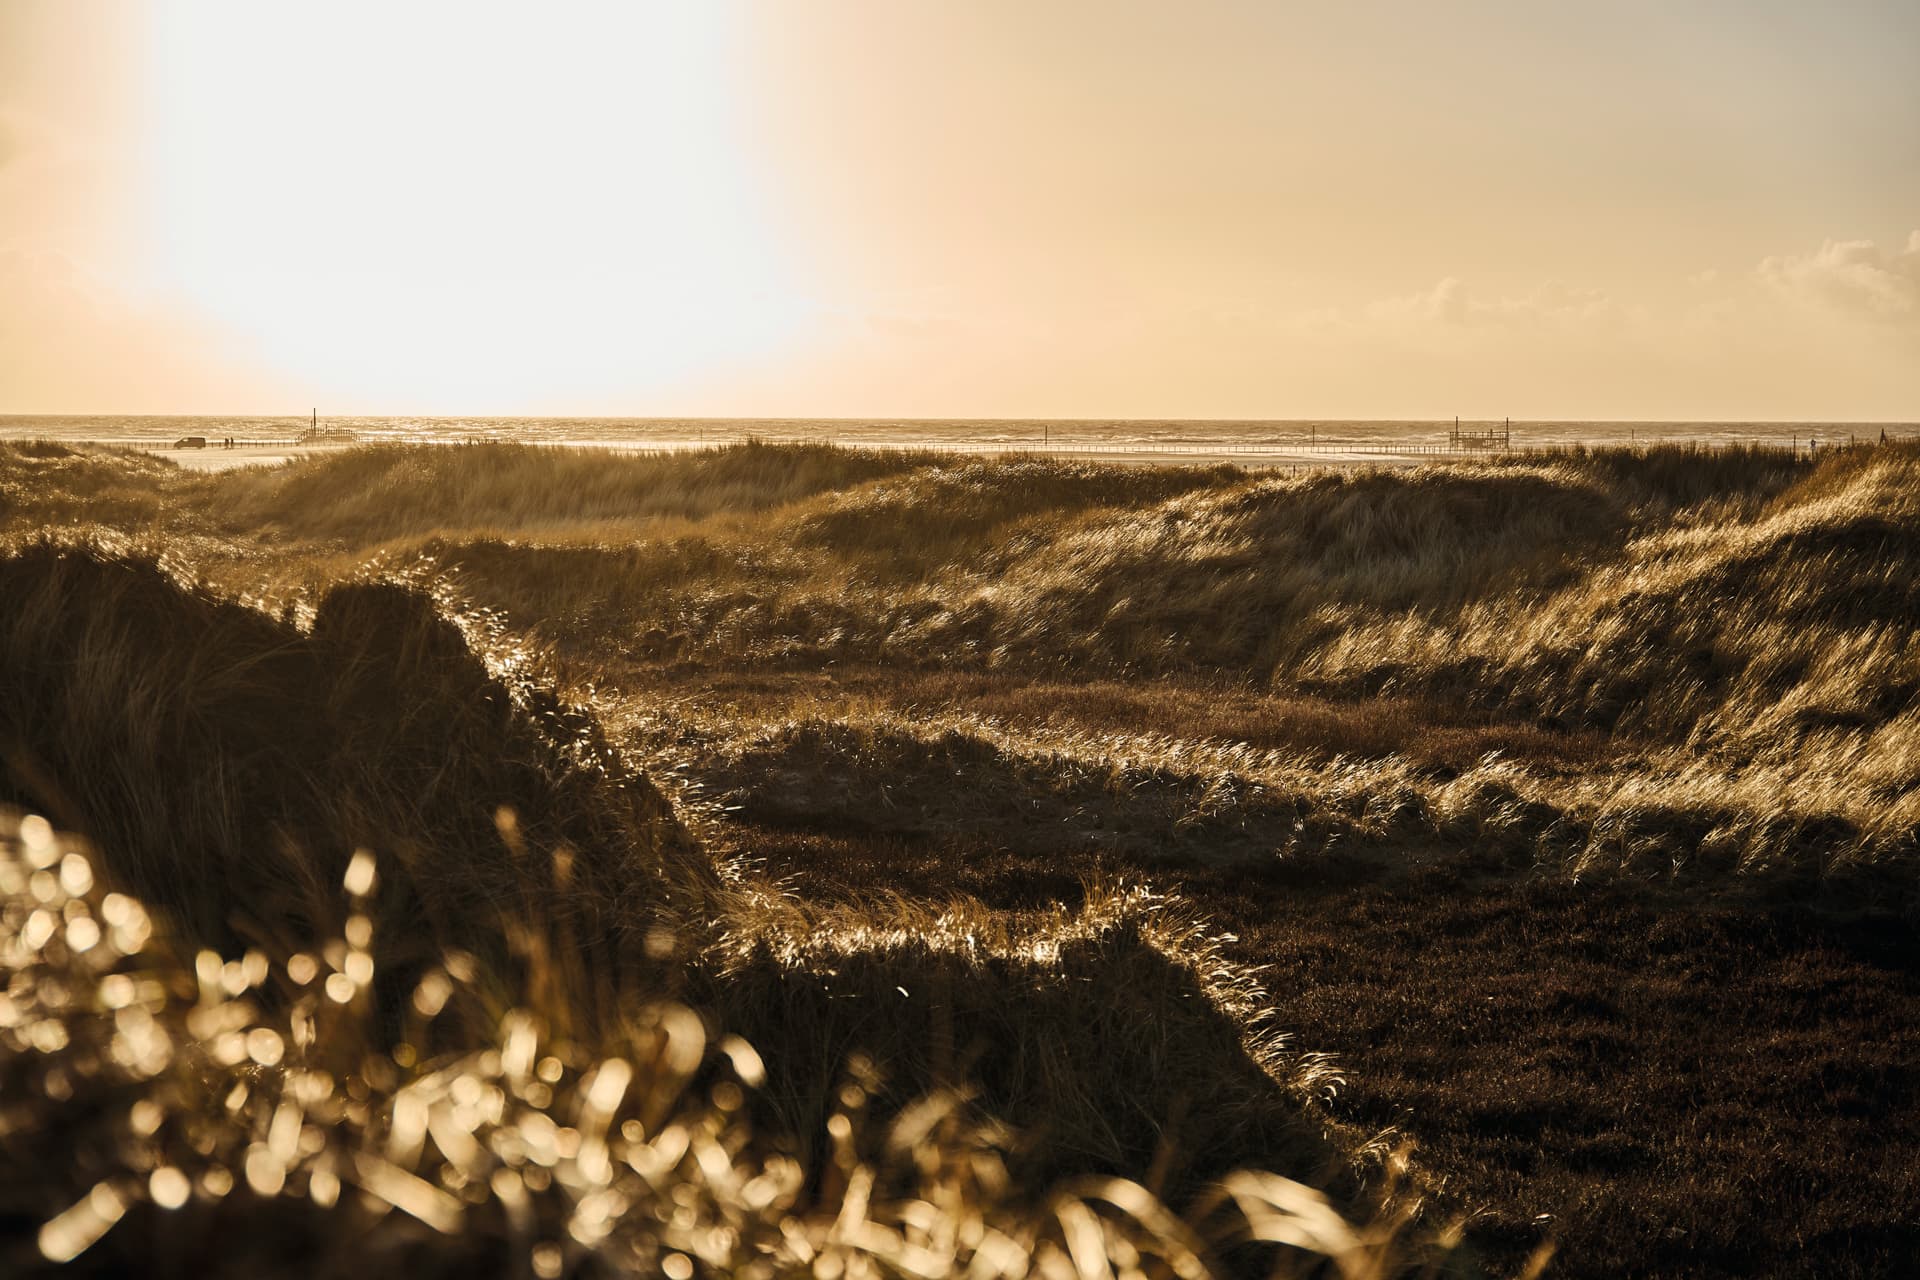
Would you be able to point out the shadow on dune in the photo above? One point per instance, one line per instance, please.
(1115, 1037)
(227, 764)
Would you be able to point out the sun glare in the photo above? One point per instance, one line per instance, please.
(456, 204)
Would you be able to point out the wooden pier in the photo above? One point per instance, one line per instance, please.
(1487, 437)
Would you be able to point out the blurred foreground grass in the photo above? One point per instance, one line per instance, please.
(480, 1142)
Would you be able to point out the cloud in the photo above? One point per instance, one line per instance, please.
(1857, 277)
(1452, 307)
(1446, 302)
(1845, 286)
(1824, 334)
(1451, 302)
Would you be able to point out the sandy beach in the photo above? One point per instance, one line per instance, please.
(252, 454)
(216, 459)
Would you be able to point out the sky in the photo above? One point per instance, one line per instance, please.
(1637, 209)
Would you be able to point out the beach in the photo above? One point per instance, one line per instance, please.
(1291, 445)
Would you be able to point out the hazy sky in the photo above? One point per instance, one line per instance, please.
(1211, 208)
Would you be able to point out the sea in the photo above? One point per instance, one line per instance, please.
(1331, 438)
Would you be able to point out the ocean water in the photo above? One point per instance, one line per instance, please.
(1066, 435)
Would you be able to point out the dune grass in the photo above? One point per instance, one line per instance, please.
(937, 698)
(233, 761)
(1731, 634)
(249, 1116)
(227, 764)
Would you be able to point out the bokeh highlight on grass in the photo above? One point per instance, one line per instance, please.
(247, 1116)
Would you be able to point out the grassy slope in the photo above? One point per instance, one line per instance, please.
(1667, 1086)
(933, 676)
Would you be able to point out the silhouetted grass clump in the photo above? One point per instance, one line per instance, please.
(1118, 1036)
(232, 762)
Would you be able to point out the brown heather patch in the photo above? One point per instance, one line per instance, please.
(1424, 731)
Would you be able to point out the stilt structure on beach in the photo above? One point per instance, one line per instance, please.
(1488, 437)
(317, 434)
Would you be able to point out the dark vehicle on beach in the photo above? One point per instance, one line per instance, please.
(190, 442)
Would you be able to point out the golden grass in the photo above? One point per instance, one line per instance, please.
(374, 494)
(190, 1096)
(241, 758)
(1695, 667)
(1731, 634)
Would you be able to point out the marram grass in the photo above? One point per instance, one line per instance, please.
(248, 1115)
(1695, 668)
